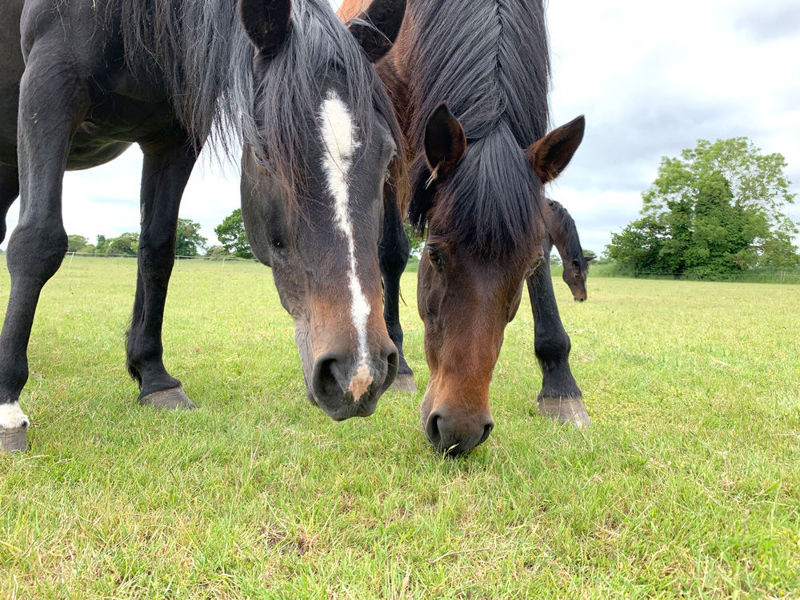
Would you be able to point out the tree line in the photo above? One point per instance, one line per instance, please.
(188, 242)
(716, 210)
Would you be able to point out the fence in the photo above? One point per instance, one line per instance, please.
(222, 259)
(755, 275)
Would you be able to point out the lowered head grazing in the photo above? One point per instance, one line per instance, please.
(481, 202)
(321, 146)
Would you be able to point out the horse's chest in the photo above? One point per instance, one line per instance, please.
(128, 119)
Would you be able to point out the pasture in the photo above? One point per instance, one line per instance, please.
(686, 485)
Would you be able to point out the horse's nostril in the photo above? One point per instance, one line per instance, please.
(487, 430)
(328, 378)
(432, 429)
(392, 362)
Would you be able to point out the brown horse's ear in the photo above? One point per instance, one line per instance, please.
(551, 154)
(376, 28)
(267, 23)
(588, 259)
(445, 142)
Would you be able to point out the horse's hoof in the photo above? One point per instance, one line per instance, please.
(565, 410)
(13, 439)
(404, 384)
(171, 399)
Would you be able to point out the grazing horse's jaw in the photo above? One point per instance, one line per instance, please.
(340, 141)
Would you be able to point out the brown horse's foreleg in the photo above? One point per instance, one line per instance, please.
(166, 170)
(560, 398)
(53, 100)
(394, 252)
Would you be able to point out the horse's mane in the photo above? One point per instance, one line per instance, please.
(489, 61)
(566, 223)
(201, 51)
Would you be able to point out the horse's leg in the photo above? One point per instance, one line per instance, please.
(166, 170)
(394, 252)
(52, 100)
(560, 398)
(9, 190)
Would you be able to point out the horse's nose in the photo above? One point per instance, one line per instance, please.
(346, 386)
(455, 433)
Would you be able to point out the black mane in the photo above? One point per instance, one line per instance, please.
(489, 61)
(567, 224)
(201, 51)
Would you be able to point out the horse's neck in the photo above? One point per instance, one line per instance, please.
(391, 68)
(556, 236)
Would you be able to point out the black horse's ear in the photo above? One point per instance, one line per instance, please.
(588, 259)
(267, 23)
(551, 154)
(376, 28)
(445, 142)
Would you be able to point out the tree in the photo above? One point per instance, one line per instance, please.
(232, 236)
(217, 252)
(188, 241)
(102, 245)
(716, 209)
(127, 244)
(76, 243)
(415, 241)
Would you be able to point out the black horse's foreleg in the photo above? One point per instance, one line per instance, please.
(560, 398)
(9, 190)
(53, 99)
(394, 253)
(165, 173)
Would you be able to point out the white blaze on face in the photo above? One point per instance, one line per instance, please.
(11, 416)
(339, 137)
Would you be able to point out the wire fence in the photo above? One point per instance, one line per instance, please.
(222, 259)
(602, 269)
(754, 275)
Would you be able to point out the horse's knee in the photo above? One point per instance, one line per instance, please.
(36, 251)
(157, 254)
(552, 347)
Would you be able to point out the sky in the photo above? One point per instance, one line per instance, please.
(650, 77)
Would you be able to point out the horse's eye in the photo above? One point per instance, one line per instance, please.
(387, 174)
(277, 243)
(436, 256)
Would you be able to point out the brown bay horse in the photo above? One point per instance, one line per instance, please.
(81, 80)
(469, 83)
(563, 234)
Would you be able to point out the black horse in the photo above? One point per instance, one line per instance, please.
(80, 80)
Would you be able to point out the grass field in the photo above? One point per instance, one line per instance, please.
(686, 485)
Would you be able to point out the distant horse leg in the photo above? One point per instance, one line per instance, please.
(52, 100)
(166, 170)
(9, 190)
(394, 252)
(560, 398)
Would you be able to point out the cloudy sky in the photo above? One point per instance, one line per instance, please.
(651, 78)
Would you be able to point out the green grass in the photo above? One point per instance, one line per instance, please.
(686, 485)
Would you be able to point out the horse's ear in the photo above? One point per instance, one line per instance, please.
(267, 23)
(588, 259)
(445, 142)
(376, 28)
(551, 154)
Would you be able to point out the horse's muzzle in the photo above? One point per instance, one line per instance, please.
(344, 386)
